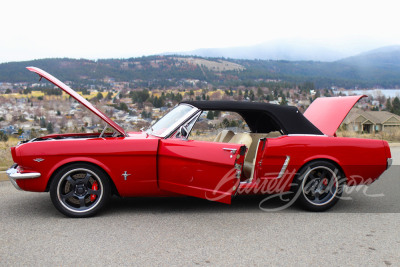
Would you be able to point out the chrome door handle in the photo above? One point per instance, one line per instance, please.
(232, 150)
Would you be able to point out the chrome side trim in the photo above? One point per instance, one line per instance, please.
(284, 166)
(232, 150)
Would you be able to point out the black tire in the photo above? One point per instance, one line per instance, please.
(73, 190)
(318, 186)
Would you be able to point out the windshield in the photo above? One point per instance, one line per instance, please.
(172, 120)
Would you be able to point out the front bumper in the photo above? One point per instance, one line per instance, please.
(13, 174)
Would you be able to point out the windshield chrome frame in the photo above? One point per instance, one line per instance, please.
(171, 129)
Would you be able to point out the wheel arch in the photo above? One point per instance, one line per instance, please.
(94, 163)
(326, 159)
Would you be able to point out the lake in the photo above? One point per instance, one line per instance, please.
(374, 92)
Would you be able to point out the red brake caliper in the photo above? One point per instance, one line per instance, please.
(95, 187)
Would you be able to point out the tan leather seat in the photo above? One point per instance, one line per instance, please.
(249, 161)
(224, 136)
(241, 138)
(244, 139)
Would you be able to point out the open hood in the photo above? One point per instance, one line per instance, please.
(327, 113)
(77, 97)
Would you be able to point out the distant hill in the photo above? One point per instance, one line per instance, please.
(292, 49)
(277, 50)
(376, 68)
(385, 57)
(379, 65)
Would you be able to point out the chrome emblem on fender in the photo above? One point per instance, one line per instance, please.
(38, 160)
(125, 174)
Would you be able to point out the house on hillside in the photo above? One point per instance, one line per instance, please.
(371, 121)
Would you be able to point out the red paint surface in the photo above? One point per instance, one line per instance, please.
(77, 97)
(327, 113)
(196, 168)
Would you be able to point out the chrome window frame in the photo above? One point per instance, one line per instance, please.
(193, 119)
(170, 130)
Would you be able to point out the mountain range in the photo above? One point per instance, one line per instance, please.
(374, 68)
(292, 49)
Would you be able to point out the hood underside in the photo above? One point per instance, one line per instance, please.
(77, 97)
(327, 113)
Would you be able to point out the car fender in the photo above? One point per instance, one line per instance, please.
(331, 159)
(64, 162)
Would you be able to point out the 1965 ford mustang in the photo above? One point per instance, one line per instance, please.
(275, 150)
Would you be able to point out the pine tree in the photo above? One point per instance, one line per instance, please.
(396, 106)
(50, 127)
(99, 96)
(389, 104)
(42, 122)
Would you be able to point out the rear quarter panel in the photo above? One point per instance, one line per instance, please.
(362, 160)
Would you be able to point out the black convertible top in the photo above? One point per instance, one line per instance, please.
(263, 117)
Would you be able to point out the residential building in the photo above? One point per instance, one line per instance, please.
(371, 121)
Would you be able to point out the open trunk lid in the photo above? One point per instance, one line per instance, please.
(78, 98)
(327, 113)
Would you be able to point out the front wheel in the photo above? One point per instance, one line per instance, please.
(319, 186)
(80, 190)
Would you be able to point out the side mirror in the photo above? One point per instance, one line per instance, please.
(183, 132)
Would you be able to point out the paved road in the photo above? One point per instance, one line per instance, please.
(189, 231)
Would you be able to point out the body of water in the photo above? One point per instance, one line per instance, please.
(374, 92)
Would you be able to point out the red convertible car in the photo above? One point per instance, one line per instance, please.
(269, 149)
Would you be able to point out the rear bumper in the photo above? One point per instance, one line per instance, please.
(389, 162)
(13, 174)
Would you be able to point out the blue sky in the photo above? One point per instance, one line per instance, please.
(105, 29)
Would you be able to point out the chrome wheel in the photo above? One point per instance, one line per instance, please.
(79, 190)
(320, 185)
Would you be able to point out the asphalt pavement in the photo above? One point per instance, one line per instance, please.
(361, 230)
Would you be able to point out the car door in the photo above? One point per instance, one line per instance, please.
(208, 170)
(271, 166)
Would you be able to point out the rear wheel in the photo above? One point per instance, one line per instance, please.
(319, 186)
(80, 190)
